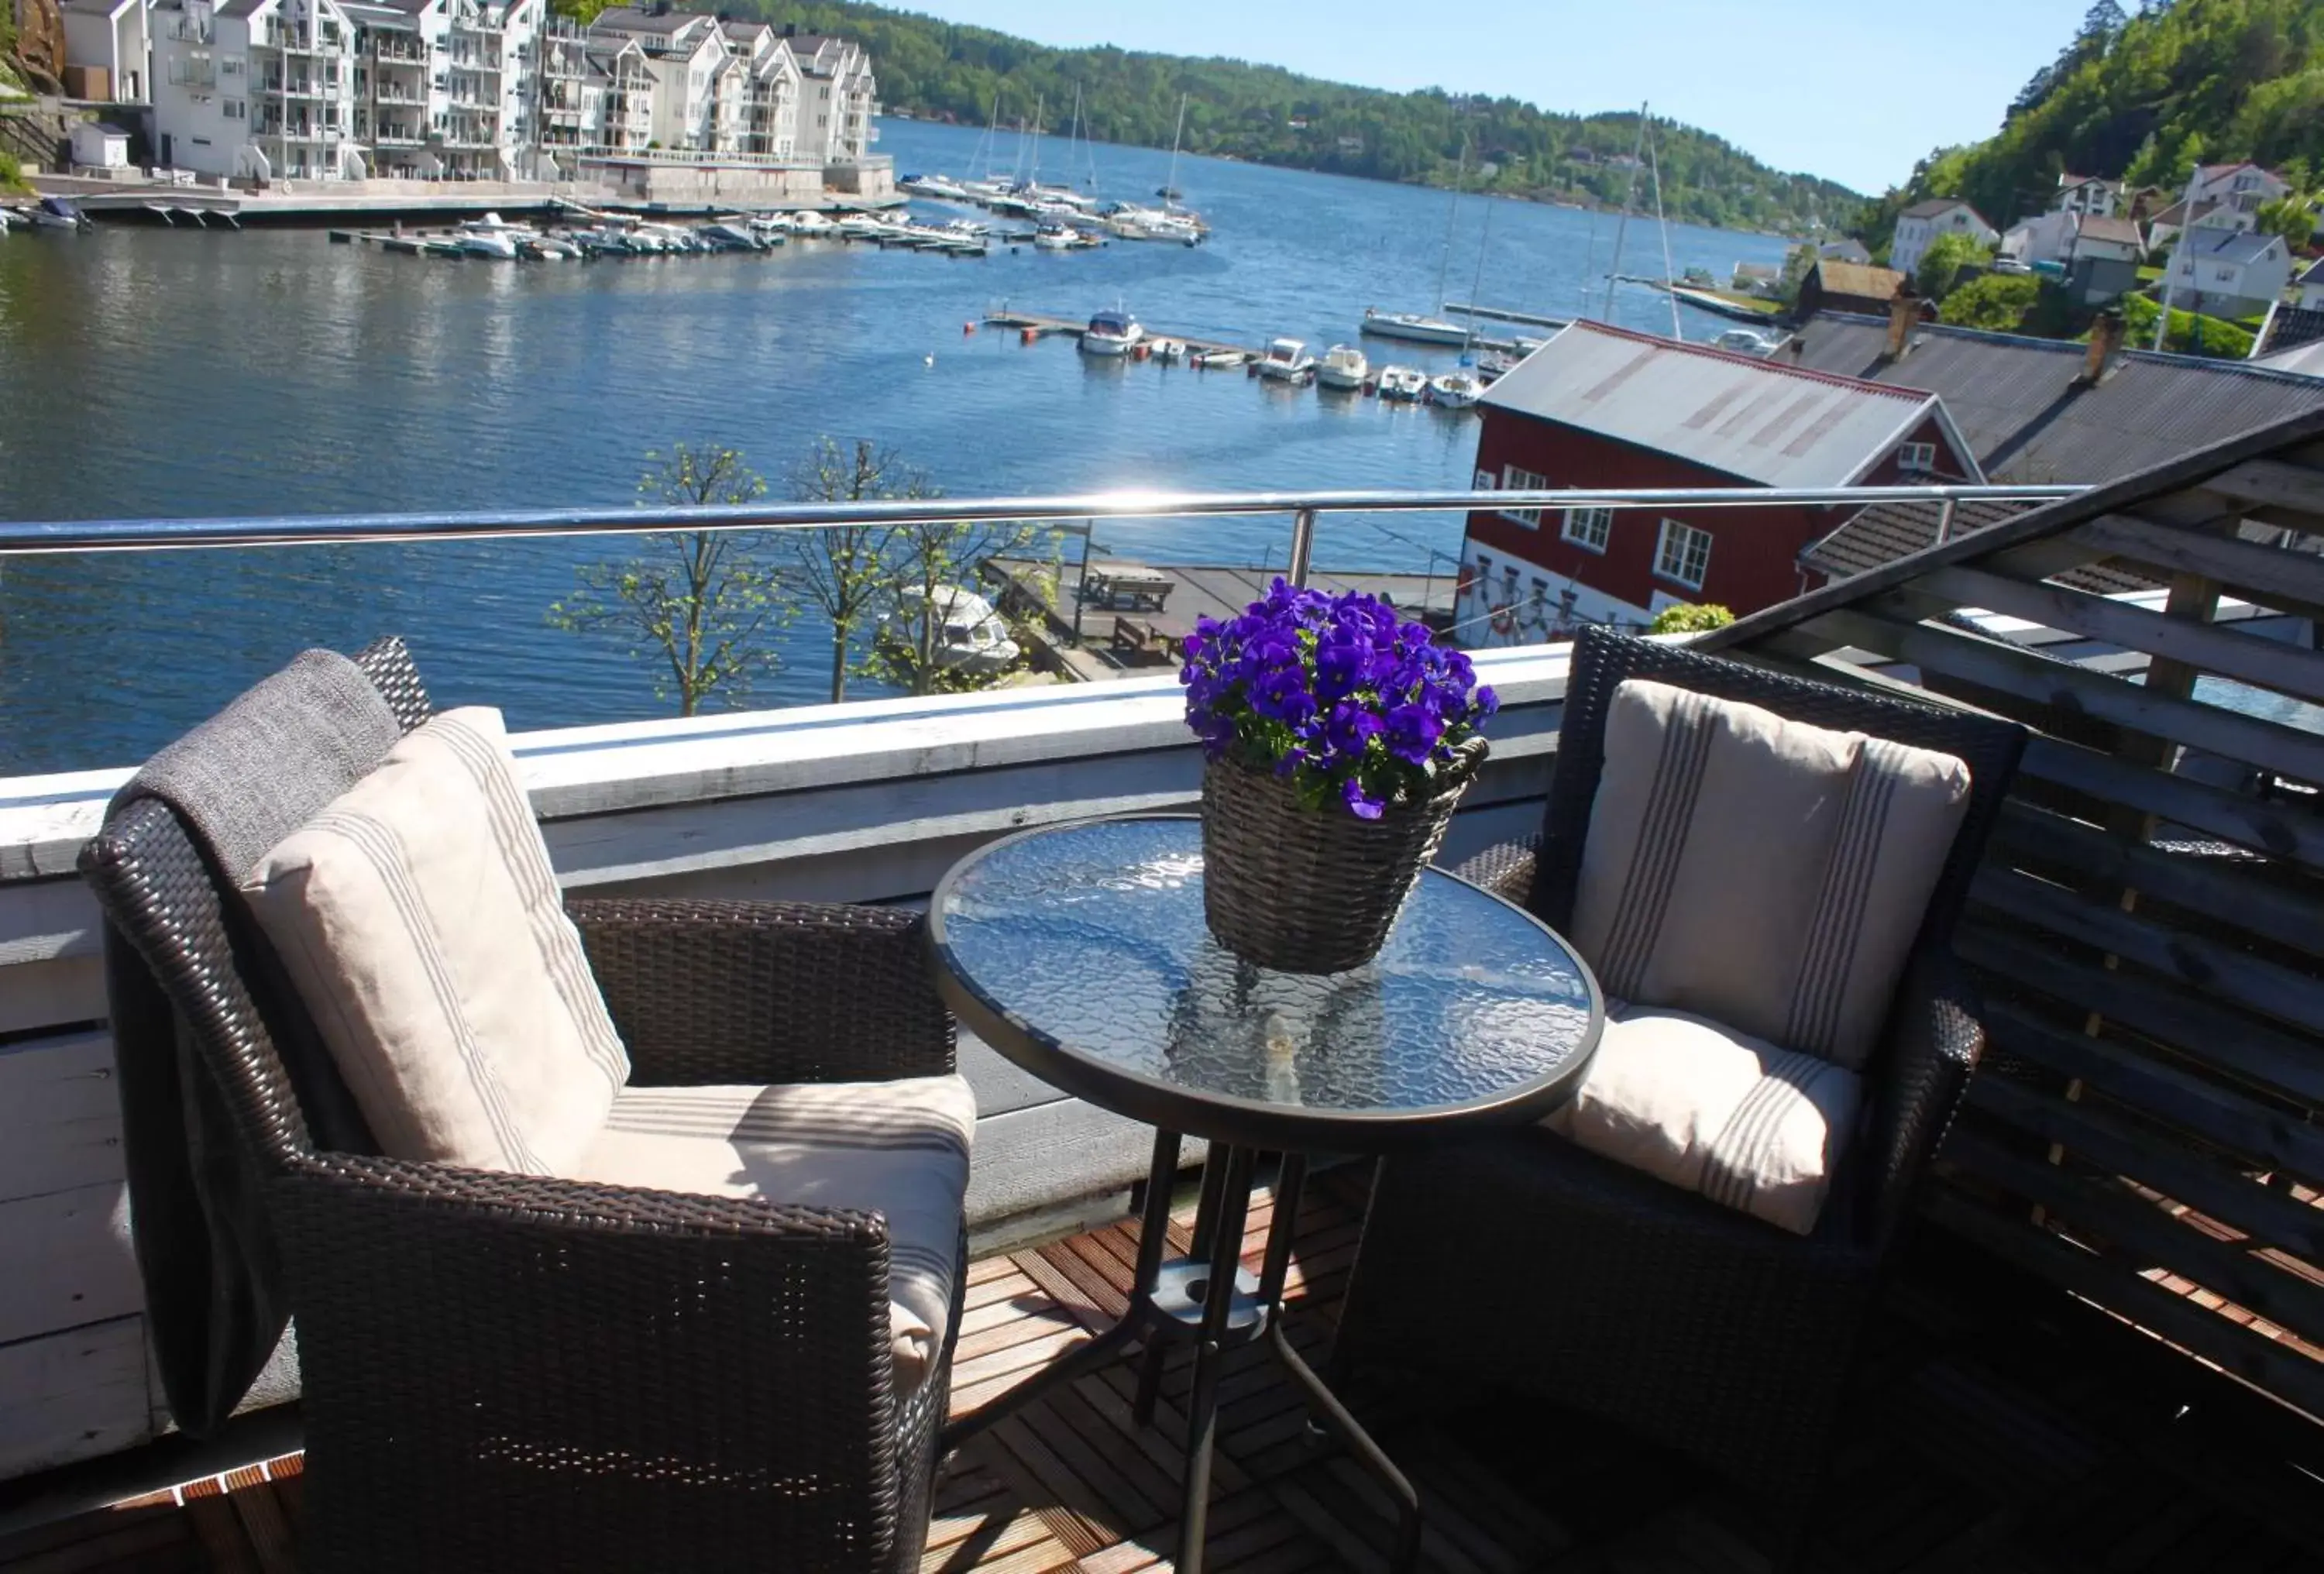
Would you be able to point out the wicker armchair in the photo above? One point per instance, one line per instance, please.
(506, 1372)
(1552, 1272)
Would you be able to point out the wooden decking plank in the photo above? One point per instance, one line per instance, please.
(1109, 1301)
(218, 1529)
(1010, 1286)
(1076, 1511)
(88, 1544)
(984, 1270)
(1090, 1453)
(975, 1382)
(1045, 1322)
(1093, 1430)
(1165, 1442)
(253, 1497)
(1061, 1288)
(1349, 1546)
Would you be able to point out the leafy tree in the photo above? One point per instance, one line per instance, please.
(849, 571)
(1998, 302)
(1689, 618)
(2291, 215)
(702, 604)
(1942, 263)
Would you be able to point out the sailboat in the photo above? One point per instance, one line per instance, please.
(1171, 222)
(1412, 326)
(1621, 227)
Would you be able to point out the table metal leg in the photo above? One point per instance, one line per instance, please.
(1349, 1430)
(1225, 1234)
(1153, 1241)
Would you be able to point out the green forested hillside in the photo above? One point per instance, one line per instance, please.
(2145, 98)
(1270, 115)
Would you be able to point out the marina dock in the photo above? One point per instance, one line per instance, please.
(1135, 616)
(1035, 324)
(1495, 314)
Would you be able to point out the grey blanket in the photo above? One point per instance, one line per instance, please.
(239, 783)
(257, 770)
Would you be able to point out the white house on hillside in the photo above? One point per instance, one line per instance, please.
(688, 51)
(107, 36)
(2312, 288)
(2244, 188)
(1923, 222)
(2092, 196)
(837, 99)
(2228, 273)
(255, 89)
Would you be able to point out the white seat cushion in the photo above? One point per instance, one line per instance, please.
(897, 1148)
(1758, 1128)
(1761, 872)
(421, 924)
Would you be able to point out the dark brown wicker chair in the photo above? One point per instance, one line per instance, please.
(1523, 1262)
(505, 1372)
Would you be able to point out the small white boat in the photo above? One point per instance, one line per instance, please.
(485, 243)
(934, 187)
(1056, 237)
(1111, 333)
(972, 637)
(733, 237)
(1343, 367)
(812, 224)
(1413, 328)
(1168, 350)
(551, 249)
(1402, 384)
(1456, 389)
(1220, 360)
(771, 224)
(1286, 360)
(1746, 342)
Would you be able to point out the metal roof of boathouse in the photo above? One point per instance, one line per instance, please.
(1760, 420)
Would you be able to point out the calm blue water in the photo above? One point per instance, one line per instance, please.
(148, 371)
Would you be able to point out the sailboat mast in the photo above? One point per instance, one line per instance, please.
(1477, 284)
(1629, 194)
(1654, 167)
(1444, 262)
(1035, 179)
(1170, 192)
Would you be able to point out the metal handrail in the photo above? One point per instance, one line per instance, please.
(31, 537)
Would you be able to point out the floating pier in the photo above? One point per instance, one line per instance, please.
(1035, 324)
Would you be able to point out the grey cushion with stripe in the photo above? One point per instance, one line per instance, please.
(1758, 1129)
(1762, 872)
(899, 1147)
(420, 922)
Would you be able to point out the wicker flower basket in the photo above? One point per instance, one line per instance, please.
(1315, 890)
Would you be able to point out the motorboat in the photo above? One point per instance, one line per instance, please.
(811, 224)
(663, 237)
(1219, 360)
(551, 249)
(971, 638)
(767, 226)
(1286, 360)
(1168, 350)
(1111, 333)
(1456, 389)
(732, 237)
(55, 213)
(1344, 367)
(1495, 364)
(1056, 237)
(1746, 342)
(485, 240)
(1402, 384)
(934, 188)
(1413, 328)
(868, 226)
(1144, 224)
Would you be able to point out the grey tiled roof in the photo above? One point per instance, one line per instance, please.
(2315, 273)
(2021, 403)
(2287, 328)
(2227, 245)
(629, 19)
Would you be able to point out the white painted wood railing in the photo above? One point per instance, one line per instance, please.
(863, 802)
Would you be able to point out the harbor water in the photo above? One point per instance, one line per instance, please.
(151, 371)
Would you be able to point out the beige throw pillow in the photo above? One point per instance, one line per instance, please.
(1762, 872)
(1679, 1098)
(421, 923)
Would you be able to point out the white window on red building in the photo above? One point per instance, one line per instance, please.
(1514, 479)
(1684, 555)
(1917, 459)
(1589, 528)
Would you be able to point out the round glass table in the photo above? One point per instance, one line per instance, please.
(1080, 952)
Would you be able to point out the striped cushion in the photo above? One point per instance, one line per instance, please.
(1761, 872)
(422, 926)
(898, 1148)
(1758, 1128)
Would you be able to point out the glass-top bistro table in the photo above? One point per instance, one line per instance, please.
(1081, 954)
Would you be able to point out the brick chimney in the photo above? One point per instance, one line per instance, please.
(2106, 343)
(1903, 316)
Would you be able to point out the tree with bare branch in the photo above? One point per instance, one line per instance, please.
(850, 571)
(703, 605)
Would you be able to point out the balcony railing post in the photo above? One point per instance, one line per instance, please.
(1945, 520)
(1302, 546)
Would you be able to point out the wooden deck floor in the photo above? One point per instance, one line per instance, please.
(2023, 1436)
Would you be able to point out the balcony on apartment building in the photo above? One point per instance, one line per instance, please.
(2100, 1346)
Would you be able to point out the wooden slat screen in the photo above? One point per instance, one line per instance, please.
(2149, 927)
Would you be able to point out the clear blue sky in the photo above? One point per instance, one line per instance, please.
(1854, 95)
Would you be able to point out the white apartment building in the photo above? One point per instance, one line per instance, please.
(487, 90)
(255, 89)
